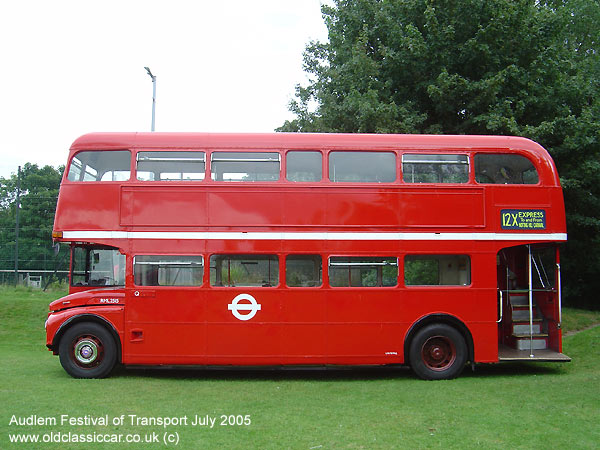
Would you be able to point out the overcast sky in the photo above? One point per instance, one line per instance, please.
(70, 67)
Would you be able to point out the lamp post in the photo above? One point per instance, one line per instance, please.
(153, 94)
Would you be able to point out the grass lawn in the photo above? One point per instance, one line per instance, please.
(499, 406)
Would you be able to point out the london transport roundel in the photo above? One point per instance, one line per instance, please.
(244, 311)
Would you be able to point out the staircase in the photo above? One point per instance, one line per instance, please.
(520, 337)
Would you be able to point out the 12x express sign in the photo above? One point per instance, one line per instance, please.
(523, 219)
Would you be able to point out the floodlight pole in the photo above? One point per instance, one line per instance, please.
(153, 95)
(17, 208)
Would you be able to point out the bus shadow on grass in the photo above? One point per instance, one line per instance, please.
(352, 373)
(275, 373)
(515, 369)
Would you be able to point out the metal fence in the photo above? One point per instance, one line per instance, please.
(39, 262)
(33, 278)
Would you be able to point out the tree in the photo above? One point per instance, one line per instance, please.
(514, 67)
(39, 192)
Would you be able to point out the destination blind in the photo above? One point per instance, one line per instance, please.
(523, 219)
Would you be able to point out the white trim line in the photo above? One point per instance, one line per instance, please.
(316, 236)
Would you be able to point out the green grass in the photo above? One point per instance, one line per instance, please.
(498, 406)
(579, 319)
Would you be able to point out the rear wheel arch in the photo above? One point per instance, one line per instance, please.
(444, 320)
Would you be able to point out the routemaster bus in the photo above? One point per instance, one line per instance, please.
(192, 249)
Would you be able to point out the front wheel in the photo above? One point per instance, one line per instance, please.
(438, 352)
(87, 350)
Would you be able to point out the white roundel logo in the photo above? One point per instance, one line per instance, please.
(244, 311)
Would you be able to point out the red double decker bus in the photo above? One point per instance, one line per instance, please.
(308, 249)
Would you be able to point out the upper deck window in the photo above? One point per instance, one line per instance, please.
(165, 166)
(304, 166)
(362, 167)
(238, 166)
(100, 166)
(504, 168)
(423, 168)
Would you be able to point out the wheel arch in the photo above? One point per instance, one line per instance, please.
(86, 317)
(447, 319)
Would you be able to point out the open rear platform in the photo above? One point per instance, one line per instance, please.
(511, 354)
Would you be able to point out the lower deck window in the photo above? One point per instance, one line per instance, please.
(168, 270)
(358, 271)
(95, 266)
(244, 270)
(432, 270)
(303, 271)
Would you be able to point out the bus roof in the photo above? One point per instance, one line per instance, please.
(99, 141)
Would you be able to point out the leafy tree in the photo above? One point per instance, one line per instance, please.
(514, 67)
(39, 192)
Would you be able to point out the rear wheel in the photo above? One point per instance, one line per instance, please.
(438, 352)
(87, 350)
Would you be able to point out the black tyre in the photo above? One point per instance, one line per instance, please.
(438, 352)
(87, 350)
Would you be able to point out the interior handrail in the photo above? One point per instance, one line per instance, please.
(501, 303)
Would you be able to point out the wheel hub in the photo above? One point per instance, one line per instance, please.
(438, 353)
(86, 351)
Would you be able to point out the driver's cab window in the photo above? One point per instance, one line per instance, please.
(97, 266)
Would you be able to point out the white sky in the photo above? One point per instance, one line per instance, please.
(70, 67)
